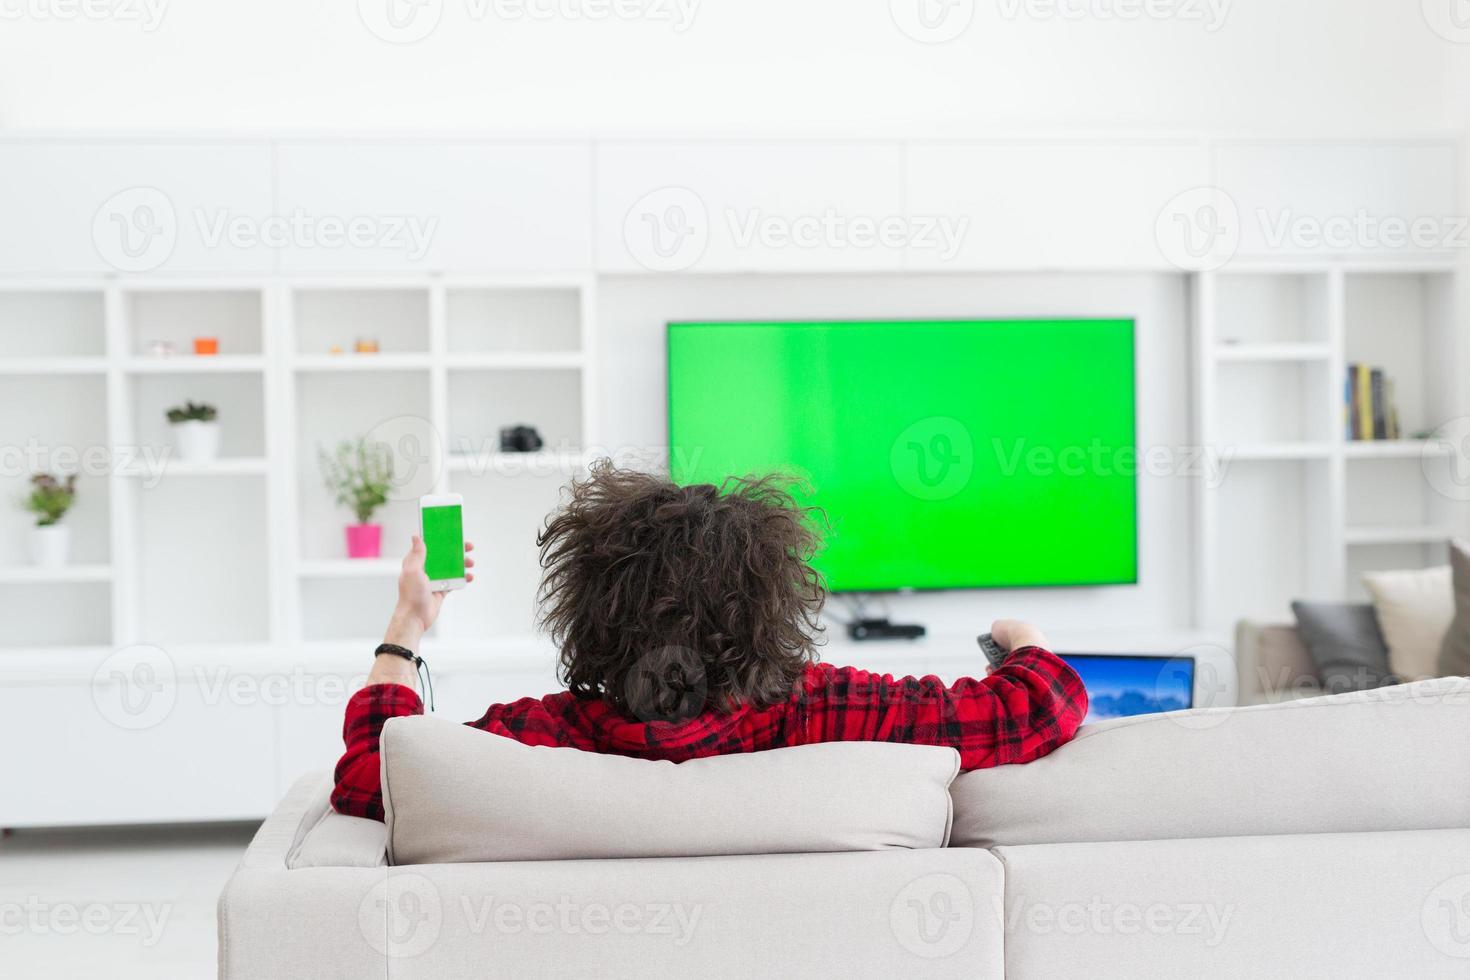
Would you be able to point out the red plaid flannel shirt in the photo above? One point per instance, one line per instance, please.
(1020, 712)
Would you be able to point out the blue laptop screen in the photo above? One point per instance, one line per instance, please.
(1119, 686)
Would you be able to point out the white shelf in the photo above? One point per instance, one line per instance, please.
(196, 364)
(361, 362)
(1397, 535)
(53, 365)
(1396, 449)
(34, 575)
(350, 568)
(1273, 352)
(235, 466)
(1269, 350)
(513, 360)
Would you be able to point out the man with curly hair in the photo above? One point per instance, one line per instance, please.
(687, 619)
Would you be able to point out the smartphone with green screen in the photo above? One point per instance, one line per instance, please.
(441, 520)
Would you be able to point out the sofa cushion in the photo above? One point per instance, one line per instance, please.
(1454, 654)
(1389, 759)
(455, 794)
(1345, 643)
(1414, 607)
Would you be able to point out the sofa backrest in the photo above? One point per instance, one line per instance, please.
(1391, 759)
(1271, 661)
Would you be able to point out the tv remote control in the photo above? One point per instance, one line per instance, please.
(992, 650)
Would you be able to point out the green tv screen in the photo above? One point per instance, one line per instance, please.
(946, 454)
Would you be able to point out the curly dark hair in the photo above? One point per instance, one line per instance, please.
(664, 599)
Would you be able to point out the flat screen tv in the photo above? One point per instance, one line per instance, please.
(944, 453)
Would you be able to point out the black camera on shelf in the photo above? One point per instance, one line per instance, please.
(520, 439)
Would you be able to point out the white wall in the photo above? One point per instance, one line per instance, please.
(632, 312)
(772, 66)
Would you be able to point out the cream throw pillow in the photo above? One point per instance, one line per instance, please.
(453, 795)
(1414, 610)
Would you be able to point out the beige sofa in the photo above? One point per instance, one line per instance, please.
(1317, 838)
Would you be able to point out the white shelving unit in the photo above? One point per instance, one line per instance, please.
(249, 548)
(1302, 511)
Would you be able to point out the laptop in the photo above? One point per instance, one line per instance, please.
(1123, 685)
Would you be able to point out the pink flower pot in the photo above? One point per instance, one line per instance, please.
(364, 540)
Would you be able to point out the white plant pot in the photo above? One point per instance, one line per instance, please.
(196, 441)
(50, 545)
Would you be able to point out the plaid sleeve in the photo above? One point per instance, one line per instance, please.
(1021, 711)
(358, 792)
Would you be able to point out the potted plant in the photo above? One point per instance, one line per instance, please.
(196, 431)
(360, 474)
(49, 500)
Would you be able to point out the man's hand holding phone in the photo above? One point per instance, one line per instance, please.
(418, 607)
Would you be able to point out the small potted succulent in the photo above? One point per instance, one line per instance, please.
(360, 474)
(50, 498)
(196, 431)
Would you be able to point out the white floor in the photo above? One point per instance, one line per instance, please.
(116, 903)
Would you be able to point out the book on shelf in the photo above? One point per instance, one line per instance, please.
(1369, 410)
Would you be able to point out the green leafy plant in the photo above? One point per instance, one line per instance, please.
(360, 473)
(191, 412)
(51, 498)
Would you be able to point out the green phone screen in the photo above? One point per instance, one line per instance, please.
(444, 539)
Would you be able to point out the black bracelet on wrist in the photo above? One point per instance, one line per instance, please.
(396, 650)
(426, 679)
